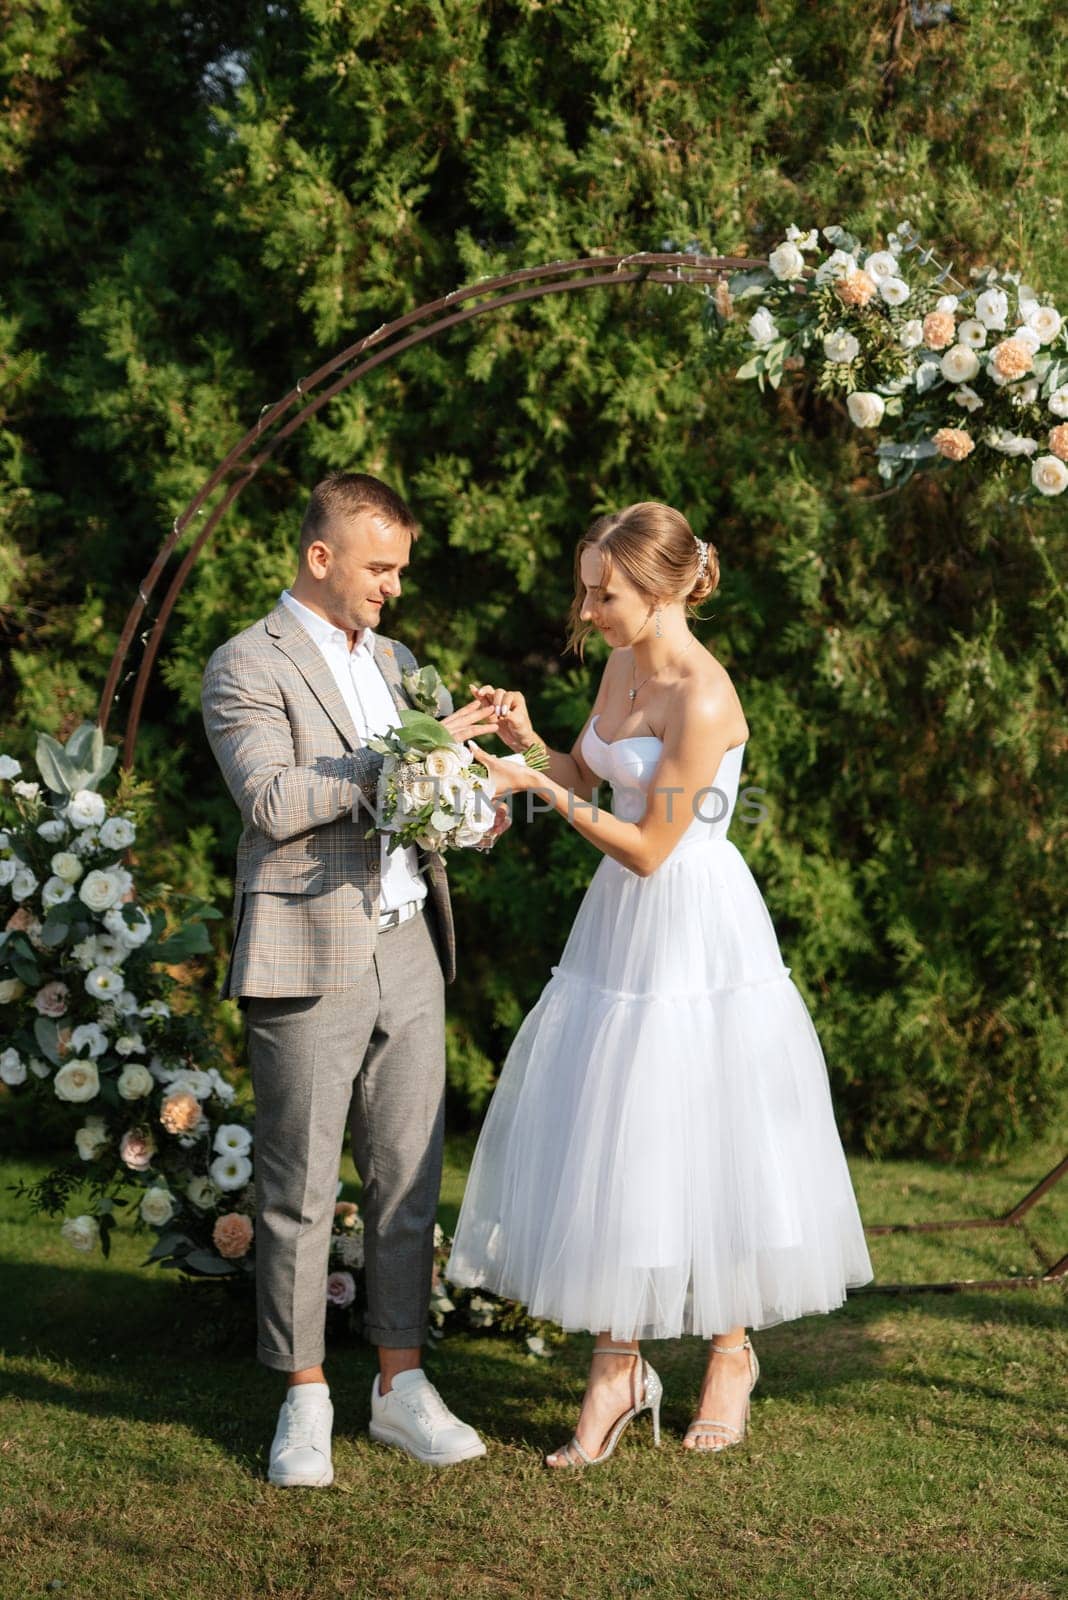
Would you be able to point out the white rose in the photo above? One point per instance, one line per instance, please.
(100, 889)
(65, 865)
(157, 1206)
(91, 1037)
(881, 264)
(23, 883)
(1049, 475)
(1011, 444)
(117, 833)
(947, 302)
(11, 989)
(129, 1044)
(972, 332)
(91, 1138)
(55, 893)
(967, 397)
(53, 830)
(1027, 336)
(1045, 322)
(230, 1172)
(787, 262)
(82, 1232)
(192, 1078)
(992, 308)
(959, 363)
(9, 767)
(1058, 401)
(232, 1139)
(12, 1068)
(443, 764)
(130, 935)
(761, 326)
(420, 792)
(840, 346)
(895, 291)
(202, 1192)
(86, 809)
(104, 983)
(77, 1081)
(135, 1081)
(26, 791)
(8, 868)
(865, 410)
(839, 264)
(911, 334)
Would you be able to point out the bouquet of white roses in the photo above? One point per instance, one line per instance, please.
(940, 368)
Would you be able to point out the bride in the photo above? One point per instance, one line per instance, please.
(660, 1155)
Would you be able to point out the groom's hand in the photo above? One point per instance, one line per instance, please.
(511, 719)
(472, 721)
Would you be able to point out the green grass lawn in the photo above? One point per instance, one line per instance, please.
(902, 1447)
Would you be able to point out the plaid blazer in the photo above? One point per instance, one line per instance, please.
(307, 881)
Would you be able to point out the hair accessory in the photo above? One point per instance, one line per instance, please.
(702, 547)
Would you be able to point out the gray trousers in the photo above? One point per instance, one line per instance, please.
(371, 1057)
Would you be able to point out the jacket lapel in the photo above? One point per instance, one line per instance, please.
(291, 639)
(388, 666)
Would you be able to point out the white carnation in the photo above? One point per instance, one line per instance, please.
(1027, 336)
(127, 1003)
(196, 1081)
(866, 410)
(1011, 444)
(23, 883)
(787, 262)
(12, 1068)
(761, 326)
(966, 397)
(157, 1206)
(230, 1172)
(65, 865)
(992, 308)
(1058, 401)
(840, 346)
(895, 291)
(100, 889)
(129, 1044)
(155, 1008)
(9, 767)
(77, 1081)
(82, 1232)
(130, 935)
(881, 264)
(973, 332)
(86, 809)
(1049, 475)
(86, 842)
(1045, 322)
(117, 833)
(959, 364)
(803, 240)
(223, 1091)
(26, 791)
(89, 1036)
(911, 334)
(839, 264)
(108, 951)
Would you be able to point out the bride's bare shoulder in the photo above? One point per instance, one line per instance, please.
(713, 684)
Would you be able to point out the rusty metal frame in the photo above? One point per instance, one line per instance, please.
(244, 460)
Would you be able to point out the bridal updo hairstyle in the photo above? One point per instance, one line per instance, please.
(654, 547)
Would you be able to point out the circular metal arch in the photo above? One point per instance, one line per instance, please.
(241, 464)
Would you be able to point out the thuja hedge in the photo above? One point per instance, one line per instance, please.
(199, 203)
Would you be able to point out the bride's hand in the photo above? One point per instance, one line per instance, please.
(509, 777)
(507, 709)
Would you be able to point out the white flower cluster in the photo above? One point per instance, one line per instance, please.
(437, 799)
(912, 358)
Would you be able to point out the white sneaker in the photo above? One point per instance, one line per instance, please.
(415, 1418)
(300, 1450)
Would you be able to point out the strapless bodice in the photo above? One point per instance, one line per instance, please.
(629, 764)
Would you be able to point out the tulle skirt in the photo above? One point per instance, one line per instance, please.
(660, 1155)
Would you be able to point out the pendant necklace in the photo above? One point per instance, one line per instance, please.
(645, 680)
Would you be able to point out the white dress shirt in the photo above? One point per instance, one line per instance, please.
(374, 711)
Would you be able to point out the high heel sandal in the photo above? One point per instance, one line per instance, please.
(652, 1393)
(703, 1426)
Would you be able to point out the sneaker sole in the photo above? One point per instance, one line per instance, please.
(383, 1435)
(323, 1482)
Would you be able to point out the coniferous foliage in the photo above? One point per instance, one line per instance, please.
(201, 202)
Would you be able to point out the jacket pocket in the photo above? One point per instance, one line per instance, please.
(283, 877)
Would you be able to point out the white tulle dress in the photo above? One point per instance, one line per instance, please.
(660, 1155)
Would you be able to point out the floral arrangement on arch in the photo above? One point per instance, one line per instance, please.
(91, 1018)
(943, 370)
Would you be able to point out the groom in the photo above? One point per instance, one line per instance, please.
(341, 953)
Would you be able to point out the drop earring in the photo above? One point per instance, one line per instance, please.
(659, 629)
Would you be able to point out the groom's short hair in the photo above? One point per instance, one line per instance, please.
(344, 495)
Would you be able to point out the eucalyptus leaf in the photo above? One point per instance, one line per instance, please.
(205, 1261)
(47, 1035)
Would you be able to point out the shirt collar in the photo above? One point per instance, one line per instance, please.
(323, 632)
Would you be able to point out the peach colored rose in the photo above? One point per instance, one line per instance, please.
(346, 1212)
(1012, 358)
(1058, 441)
(939, 330)
(856, 289)
(19, 921)
(724, 300)
(136, 1149)
(180, 1112)
(232, 1235)
(340, 1289)
(51, 1001)
(953, 443)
